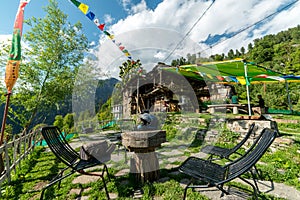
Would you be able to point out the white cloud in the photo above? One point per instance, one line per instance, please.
(92, 43)
(108, 19)
(132, 8)
(161, 30)
(139, 7)
(5, 39)
(160, 55)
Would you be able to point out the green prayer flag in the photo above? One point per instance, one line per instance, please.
(247, 81)
(76, 3)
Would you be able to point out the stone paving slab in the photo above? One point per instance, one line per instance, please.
(84, 179)
(279, 189)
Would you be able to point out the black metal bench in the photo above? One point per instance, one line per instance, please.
(65, 153)
(221, 152)
(226, 152)
(215, 175)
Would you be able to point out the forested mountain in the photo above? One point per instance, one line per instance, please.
(280, 52)
(102, 94)
(104, 91)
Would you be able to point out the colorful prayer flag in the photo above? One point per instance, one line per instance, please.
(96, 21)
(233, 78)
(101, 27)
(241, 79)
(200, 74)
(14, 59)
(83, 7)
(278, 78)
(76, 3)
(227, 78)
(106, 33)
(220, 78)
(90, 15)
(209, 76)
(111, 36)
(261, 76)
(248, 80)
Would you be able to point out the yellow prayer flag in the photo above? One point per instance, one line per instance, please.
(209, 76)
(111, 36)
(83, 7)
(241, 79)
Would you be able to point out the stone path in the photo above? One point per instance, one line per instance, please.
(168, 157)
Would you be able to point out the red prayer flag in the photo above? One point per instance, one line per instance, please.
(101, 27)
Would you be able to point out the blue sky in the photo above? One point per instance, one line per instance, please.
(161, 30)
(102, 8)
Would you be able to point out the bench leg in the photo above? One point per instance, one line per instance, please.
(58, 178)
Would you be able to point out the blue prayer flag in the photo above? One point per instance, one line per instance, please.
(90, 15)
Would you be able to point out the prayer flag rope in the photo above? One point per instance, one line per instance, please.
(89, 14)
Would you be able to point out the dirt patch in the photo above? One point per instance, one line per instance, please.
(40, 185)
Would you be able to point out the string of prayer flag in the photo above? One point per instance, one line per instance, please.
(91, 15)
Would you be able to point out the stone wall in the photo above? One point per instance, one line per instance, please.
(242, 125)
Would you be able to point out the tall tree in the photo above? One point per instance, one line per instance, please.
(243, 50)
(250, 47)
(191, 58)
(230, 54)
(56, 50)
(180, 61)
(129, 67)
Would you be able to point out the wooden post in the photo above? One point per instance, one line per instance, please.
(3, 129)
(15, 153)
(7, 162)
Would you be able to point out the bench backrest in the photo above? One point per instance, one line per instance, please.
(244, 163)
(241, 143)
(59, 145)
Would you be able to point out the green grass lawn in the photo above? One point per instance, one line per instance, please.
(280, 166)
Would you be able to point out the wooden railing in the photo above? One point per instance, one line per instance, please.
(15, 151)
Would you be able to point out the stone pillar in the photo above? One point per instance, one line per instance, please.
(144, 165)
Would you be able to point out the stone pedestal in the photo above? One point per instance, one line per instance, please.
(144, 165)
